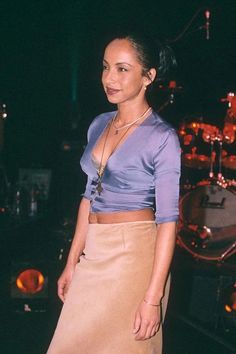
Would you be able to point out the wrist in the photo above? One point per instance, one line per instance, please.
(72, 261)
(74, 256)
(152, 304)
(153, 298)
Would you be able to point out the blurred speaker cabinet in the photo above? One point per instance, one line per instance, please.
(206, 302)
(39, 177)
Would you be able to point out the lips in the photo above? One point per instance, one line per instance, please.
(110, 91)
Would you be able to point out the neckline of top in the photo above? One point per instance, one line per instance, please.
(119, 147)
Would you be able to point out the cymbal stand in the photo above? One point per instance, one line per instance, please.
(220, 176)
(229, 252)
(170, 100)
(211, 173)
(218, 139)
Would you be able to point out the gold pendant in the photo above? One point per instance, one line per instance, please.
(99, 187)
(99, 182)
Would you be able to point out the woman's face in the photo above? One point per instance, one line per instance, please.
(122, 77)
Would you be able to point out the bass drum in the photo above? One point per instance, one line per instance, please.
(207, 227)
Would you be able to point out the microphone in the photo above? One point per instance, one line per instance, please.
(207, 25)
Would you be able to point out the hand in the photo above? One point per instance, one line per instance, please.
(64, 281)
(147, 321)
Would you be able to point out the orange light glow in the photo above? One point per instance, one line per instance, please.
(230, 303)
(188, 139)
(172, 84)
(228, 308)
(30, 281)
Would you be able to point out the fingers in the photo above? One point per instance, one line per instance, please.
(137, 323)
(64, 282)
(62, 290)
(153, 332)
(155, 329)
(147, 330)
(147, 321)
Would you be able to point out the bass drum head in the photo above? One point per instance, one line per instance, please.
(207, 227)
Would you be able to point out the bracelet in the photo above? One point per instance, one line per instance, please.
(156, 305)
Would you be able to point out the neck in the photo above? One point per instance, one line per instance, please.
(127, 113)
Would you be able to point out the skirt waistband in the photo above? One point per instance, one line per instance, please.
(122, 216)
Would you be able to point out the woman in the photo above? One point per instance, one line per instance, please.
(115, 296)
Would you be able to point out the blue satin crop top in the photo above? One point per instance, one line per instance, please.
(143, 172)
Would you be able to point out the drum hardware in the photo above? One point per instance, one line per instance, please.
(229, 132)
(218, 139)
(196, 135)
(230, 251)
(207, 228)
(205, 146)
(228, 153)
(197, 141)
(230, 183)
(231, 99)
(212, 160)
(230, 162)
(171, 89)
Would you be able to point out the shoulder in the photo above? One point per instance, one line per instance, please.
(161, 131)
(99, 123)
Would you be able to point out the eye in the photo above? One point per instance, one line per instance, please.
(122, 69)
(104, 67)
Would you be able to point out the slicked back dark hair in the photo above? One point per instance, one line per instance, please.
(150, 53)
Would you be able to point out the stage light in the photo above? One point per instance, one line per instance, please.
(29, 287)
(30, 281)
(230, 300)
(229, 306)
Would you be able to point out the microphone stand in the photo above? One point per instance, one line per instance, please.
(170, 100)
(4, 183)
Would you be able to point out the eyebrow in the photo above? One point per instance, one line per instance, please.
(121, 63)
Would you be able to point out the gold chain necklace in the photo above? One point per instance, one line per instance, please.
(101, 168)
(131, 123)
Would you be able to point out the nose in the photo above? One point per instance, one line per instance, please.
(109, 76)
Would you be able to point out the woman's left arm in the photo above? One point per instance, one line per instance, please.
(148, 315)
(166, 162)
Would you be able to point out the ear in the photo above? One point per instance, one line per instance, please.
(150, 76)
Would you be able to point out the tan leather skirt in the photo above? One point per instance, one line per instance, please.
(108, 284)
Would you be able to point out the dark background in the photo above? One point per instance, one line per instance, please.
(50, 66)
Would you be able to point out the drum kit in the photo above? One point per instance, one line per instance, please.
(207, 227)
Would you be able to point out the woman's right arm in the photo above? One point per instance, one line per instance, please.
(76, 249)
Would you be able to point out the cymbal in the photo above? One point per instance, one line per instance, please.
(196, 161)
(229, 162)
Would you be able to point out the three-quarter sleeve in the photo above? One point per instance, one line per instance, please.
(166, 178)
(88, 189)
